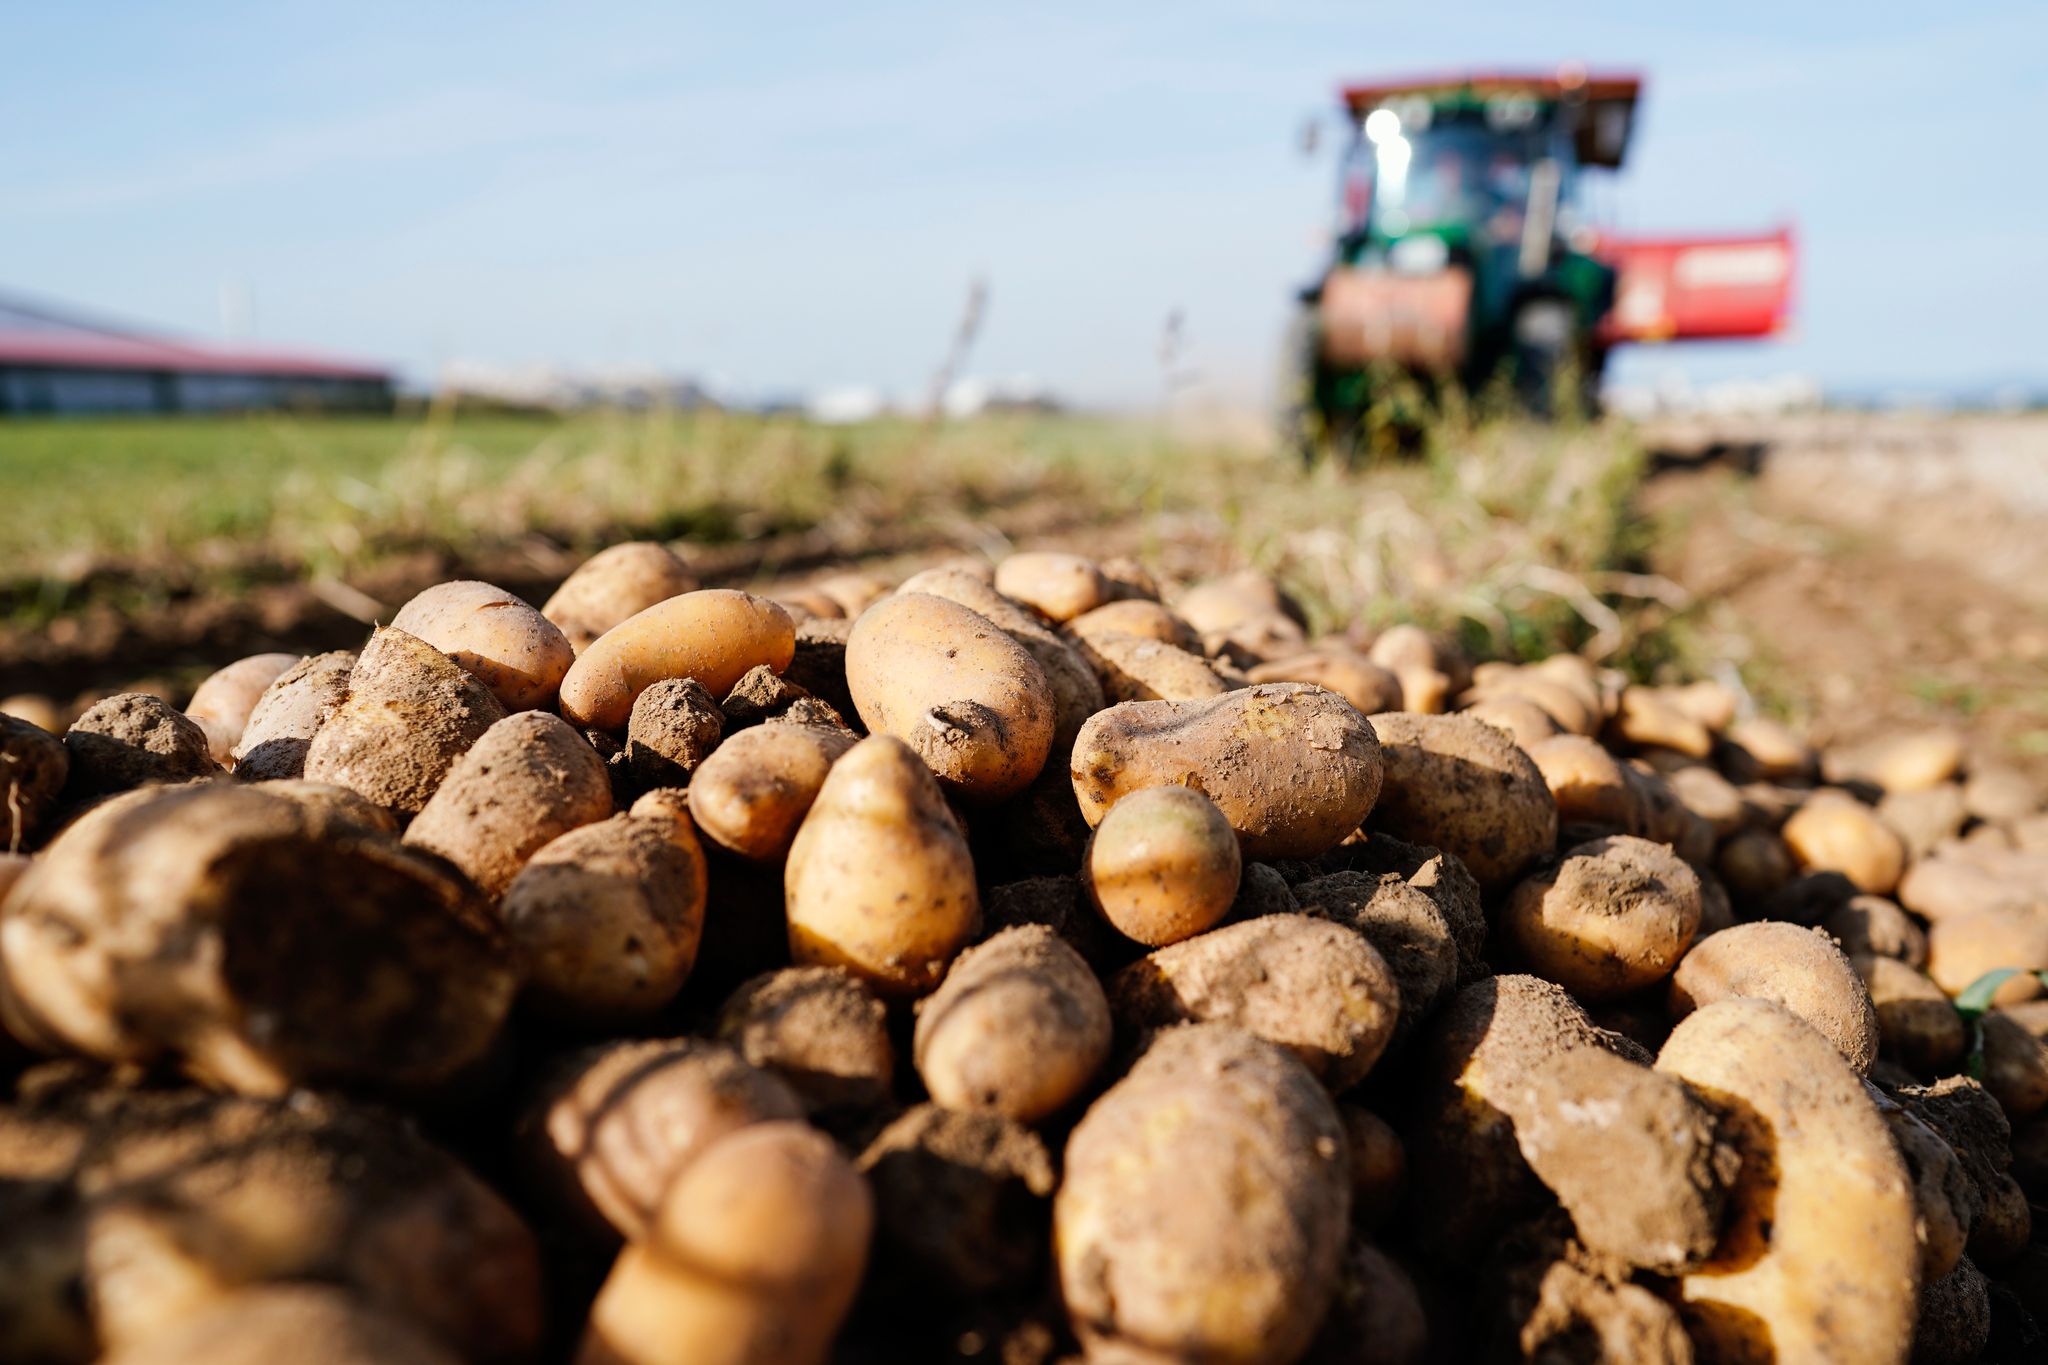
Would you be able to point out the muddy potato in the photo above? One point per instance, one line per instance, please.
(1019, 1027)
(1379, 1166)
(965, 697)
(1404, 924)
(233, 932)
(36, 765)
(1057, 586)
(222, 703)
(1834, 833)
(409, 713)
(1615, 915)
(130, 740)
(1872, 925)
(501, 641)
(1236, 1267)
(879, 878)
(609, 1128)
(819, 1029)
(326, 799)
(605, 919)
(306, 1324)
(1590, 785)
(1917, 1025)
(715, 635)
(1462, 786)
(1133, 668)
(1312, 986)
(1163, 865)
(285, 718)
(2015, 1065)
(1349, 674)
(755, 1259)
(528, 780)
(753, 792)
(1800, 969)
(612, 585)
(1964, 947)
(1293, 768)
(1754, 863)
(1146, 619)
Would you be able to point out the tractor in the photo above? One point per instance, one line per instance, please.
(1466, 259)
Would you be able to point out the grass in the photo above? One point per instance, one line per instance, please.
(1517, 537)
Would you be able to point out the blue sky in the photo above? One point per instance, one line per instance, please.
(790, 196)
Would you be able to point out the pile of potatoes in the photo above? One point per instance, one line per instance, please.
(1016, 963)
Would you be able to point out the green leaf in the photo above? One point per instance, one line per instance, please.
(1976, 997)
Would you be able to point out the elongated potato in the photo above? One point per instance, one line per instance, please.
(1146, 619)
(1293, 768)
(1312, 986)
(1019, 1027)
(1163, 865)
(306, 1324)
(502, 641)
(879, 879)
(1057, 586)
(965, 697)
(409, 714)
(606, 919)
(528, 780)
(1589, 784)
(1460, 785)
(612, 585)
(754, 790)
(222, 703)
(1346, 672)
(1134, 668)
(715, 635)
(241, 935)
(1235, 1268)
(755, 1260)
(290, 712)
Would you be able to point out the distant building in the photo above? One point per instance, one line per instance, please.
(55, 362)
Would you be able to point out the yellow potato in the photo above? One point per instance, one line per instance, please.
(1163, 865)
(1058, 587)
(754, 790)
(717, 636)
(612, 585)
(1135, 616)
(1834, 833)
(1349, 674)
(507, 645)
(221, 705)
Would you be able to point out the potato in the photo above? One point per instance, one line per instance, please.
(1349, 674)
(36, 764)
(1379, 1166)
(1648, 719)
(1800, 969)
(1146, 619)
(290, 712)
(409, 714)
(1236, 1267)
(1058, 587)
(715, 635)
(1404, 924)
(1376, 1316)
(2015, 1065)
(879, 879)
(1133, 668)
(1758, 749)
(221, 704)
(819, 1029)
(1520, 719)
(1614, 916)
(755, 1260)
(259, 943)
(1961, 880)
(1318, 989)
(1872, 925)
(753, 792)
(605, 919)
(1163, 865)
(1964, 947)
(1946, 1202)
(1999, 795)
(1445, 880)
(1710, 797)
(37, 709)
(1571, 703)
(1293, 768)
(1245, 615)
(965, 697)
(610, 1130)
(853, 593)
(306, 1324)
(1924, 819)
(1839, 834)
(527, 781)
(1898, 762)
(131, 740)
(1710, 703)
(612, 585)
(1076, 692)
(1820, 1260)
(1018, 1027)
(673, 727)
(1462, 786)
(1917, 1025)
(497, 638)
(326, 799)
(125, 1211)
(1589, 785)
(1754, 863)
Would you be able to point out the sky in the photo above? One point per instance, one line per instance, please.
(783, 197)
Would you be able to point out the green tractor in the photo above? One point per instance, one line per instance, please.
(1465, 258)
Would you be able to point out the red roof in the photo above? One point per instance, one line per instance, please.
(115, 351)
(1602, 85)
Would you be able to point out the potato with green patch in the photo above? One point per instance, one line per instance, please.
(879, 879)
(715, 635)
(1293, 768)
(1163, 865)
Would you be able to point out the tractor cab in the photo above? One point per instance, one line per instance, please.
(1464, 253)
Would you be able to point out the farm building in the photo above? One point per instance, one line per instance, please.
(55, 362)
